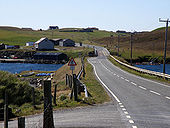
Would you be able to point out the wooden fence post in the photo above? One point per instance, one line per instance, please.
(48, 112)
(33, 97)
(75, 86)
(55, 92)
(6, 111)
(67, 82)
(70, 81)
(21, 122)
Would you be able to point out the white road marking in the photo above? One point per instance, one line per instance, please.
(127, 80)
(133, 83)
(134, 127)
(122, 106)
(122, 78)
(131, 121)
(142, 88)
(124, 109)
(105, 84)
(126, 113)
(120, 103)
(117, 75)
(155, 92)
(137, 76)
(167, 97)
(128, 117)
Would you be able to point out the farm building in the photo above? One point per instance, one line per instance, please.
(67, 43)
(29, 43)
(56, 41)
(44, 44)
(50, 56)
(53, 27)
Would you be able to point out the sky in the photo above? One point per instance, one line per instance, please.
(111, 15)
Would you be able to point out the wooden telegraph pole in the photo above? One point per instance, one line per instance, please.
(6, 111)
(131, 38)
(48, 112)
(165, 45)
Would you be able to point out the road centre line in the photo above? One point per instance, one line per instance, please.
(131, 121)
(124, 109)
(128, 117)
(127, 80)
(167, 97)
(133, 83)
(142, 88)
(126, 112)
(122, 78)
(155, 92)
(122, 106)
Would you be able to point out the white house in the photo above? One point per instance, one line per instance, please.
(44, 44)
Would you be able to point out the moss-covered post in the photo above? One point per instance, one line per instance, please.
(48, 112)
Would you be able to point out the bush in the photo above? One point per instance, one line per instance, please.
(19, 92)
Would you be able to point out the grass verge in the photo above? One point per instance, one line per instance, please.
(98, 93)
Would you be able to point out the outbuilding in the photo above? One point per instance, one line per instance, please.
(67, 43)
(44, 44)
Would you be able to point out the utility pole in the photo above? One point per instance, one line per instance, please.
(131, 38)
(165, 45)
(6, 110)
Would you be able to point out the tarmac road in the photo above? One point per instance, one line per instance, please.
(146, 103)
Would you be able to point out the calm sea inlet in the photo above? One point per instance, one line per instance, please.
(19, 67)
(157, 68)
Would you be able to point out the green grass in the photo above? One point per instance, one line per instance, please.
(94, 87)
(137, 73)
(13, 36)
(99, 96)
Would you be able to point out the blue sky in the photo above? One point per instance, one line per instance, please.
(112, 15)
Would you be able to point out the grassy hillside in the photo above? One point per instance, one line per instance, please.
(144, 44)
(17, 36)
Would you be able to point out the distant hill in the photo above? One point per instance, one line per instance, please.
(144, 43)
(19, 36)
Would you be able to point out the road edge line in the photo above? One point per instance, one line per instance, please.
(104, 83)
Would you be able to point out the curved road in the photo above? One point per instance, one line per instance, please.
(145, 103)
(141, 103)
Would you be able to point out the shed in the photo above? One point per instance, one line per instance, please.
(50, 56)
(53, 27)
(44, 44)
(67, 43)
